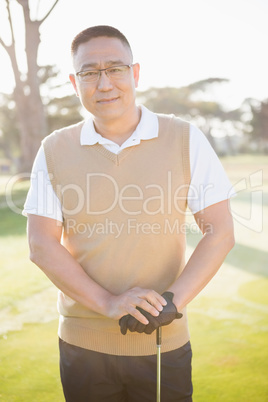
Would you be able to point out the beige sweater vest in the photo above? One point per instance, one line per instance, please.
(123, 216)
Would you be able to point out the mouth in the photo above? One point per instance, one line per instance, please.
(107, 101)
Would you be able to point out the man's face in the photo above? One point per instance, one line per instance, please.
(107, 99)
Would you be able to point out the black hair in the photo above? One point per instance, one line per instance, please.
(95, 32)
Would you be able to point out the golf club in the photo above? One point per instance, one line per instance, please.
(158, 346)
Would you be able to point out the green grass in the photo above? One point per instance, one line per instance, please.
(255, 291)
(29, 365)
(230, 360)
(19, 278)
(230, 348)
(28, 358)
(228, 322)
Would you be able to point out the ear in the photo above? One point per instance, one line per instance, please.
(73, 81)
(136, 73)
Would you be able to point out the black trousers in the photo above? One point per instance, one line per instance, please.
(89, 376)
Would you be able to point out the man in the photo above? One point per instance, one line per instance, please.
(106, 212)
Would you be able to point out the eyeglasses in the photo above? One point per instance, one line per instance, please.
(114, 73)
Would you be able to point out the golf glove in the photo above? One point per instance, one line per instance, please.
(165, 317)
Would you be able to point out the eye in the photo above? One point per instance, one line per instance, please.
(90, 73)
(116, 70)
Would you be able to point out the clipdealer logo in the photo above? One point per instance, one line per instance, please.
(249, 211)
(249, 189)
(131, 226)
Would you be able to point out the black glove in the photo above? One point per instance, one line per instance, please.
(165, 317)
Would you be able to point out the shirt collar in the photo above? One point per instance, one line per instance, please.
(147, 129)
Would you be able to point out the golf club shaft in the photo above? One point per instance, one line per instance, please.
(158, 345)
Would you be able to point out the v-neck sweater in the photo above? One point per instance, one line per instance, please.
(124, 222)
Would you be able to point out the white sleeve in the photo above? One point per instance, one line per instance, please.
(209, 182)
(41, 199)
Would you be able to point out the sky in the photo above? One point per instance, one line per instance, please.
(176, 42)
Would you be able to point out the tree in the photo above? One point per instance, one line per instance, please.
(193, 103)
(184, 101)
(260, 123)
(59, 111)
(30, 114)
(9, 136)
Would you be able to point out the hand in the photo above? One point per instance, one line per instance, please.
(135, 302)
(167, 315)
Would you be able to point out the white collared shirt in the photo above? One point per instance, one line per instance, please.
(209, 182)
(147, 129)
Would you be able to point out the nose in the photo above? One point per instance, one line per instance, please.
(104, 83)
